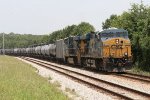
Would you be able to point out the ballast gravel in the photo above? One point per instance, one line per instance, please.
(72, 89)
(133, 84)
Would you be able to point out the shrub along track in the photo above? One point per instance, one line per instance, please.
(113, 89)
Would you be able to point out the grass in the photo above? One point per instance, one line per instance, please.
(140, 71)
(19, 81)
(57, 84)
(72, 91)
(49, 78)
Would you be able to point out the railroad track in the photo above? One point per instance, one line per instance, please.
(136, 77)
(116, 90)
(127, 75)
(148, 77)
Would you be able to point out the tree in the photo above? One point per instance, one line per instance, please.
(83, 28)
(13, 40)
(72, 30)
(107, 24)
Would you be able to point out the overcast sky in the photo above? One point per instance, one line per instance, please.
(45, 16)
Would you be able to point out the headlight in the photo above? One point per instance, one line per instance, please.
(117, 41)
(112, 54)
(125, 54)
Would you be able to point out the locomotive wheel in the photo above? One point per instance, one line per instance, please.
(75, 60)
(105, 65)
(99, 64)
(83, 62)
(66, 60)
(109, 68)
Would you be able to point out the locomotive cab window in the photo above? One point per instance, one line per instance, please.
(107, 35)
(113, 33)
(122, 34)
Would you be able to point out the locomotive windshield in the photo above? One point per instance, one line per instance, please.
(122, 34)
(106, 34)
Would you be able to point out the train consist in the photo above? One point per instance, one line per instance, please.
(108, 50)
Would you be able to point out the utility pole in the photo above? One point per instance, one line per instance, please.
(3, 44)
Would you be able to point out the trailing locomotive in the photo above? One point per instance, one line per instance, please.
(108, 50)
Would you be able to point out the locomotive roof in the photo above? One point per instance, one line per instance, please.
(113, 33)
(113, 30)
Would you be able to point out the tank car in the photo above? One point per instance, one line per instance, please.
(52, 50)
(23, 51)
(38, 50)
(60, 51)
(43, 50)
(16, 51)
(7, 51)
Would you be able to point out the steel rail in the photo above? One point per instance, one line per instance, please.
(134, 77)
(141, 76)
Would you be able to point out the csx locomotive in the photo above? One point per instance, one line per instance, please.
(108, 50)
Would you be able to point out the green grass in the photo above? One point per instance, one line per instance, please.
(140, 71)
(19, 81)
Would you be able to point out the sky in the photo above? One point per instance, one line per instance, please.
(46, 16)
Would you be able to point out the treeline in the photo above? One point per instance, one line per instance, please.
(13, 40)
(72, 30)
(137, 22)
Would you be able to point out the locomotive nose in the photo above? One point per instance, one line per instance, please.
(116, 48)
(119, 48)
(124, 48)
